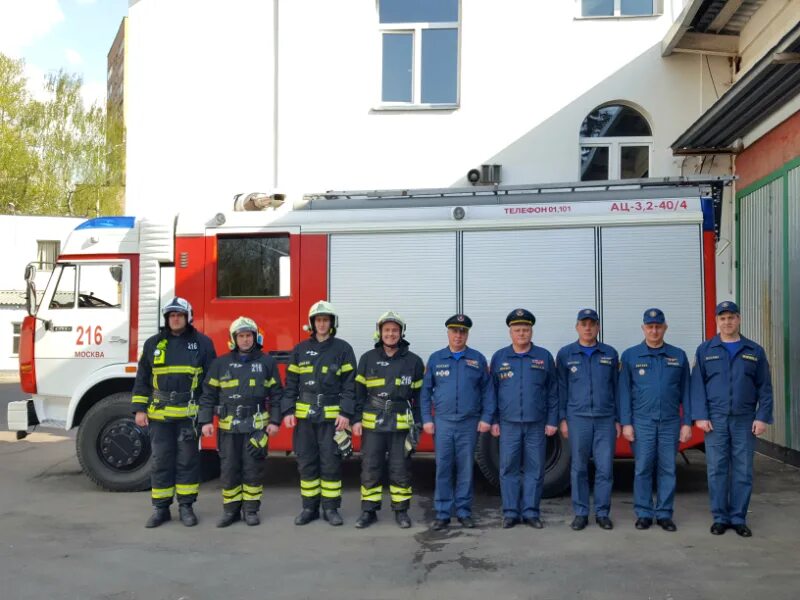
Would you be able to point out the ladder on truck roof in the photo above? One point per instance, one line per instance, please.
(513, 194)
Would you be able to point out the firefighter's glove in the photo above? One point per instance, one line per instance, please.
(412, 439)
(257, 444)
(344, 442)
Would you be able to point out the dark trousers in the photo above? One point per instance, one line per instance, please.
(319, 464)
(654, 452)
(522, 455)
(375, 447)
(729, 462)
(455, 453)
(241, 473)
(176, 462)
(595, 437)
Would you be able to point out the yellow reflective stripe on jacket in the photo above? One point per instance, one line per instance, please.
(301, 410)
(331, 412)
(259, 421)
(416, 385)
(171, 412)
(331, 489)
(400, 494)
(159, 493)
(324, 369)
(403, 421)
(213, 382)
(370, 383)
(177, 370)
(140, 400)
(368, 420)
(346, 368)
(187, 489)
(231, 383)
(292, 368)
(372, 494)
(270, 383)
(361, 379)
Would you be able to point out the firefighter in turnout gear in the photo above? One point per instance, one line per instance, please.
(319, 400)
(388, 384)
(243, 388)
(170, 372)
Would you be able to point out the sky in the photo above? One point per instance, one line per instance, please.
(74, 35)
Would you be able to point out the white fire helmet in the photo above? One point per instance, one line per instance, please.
(241, 324)
(390, 316)
(181, 305)
(323, 308)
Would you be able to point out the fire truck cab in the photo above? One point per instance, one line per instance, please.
(619, 247)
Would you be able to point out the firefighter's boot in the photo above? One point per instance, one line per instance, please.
(402, 518)
(332, 516)
(251, 518)
(306, 516)
(229, 518)
(160, 515)
(187, 515)
(367, 518)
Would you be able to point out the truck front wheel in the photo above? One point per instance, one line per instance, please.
(556, 469)
(113, 451)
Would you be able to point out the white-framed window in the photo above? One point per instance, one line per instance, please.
(15, 332)
(46, 254)
(616, 142)
(619, 8)
(419, 41)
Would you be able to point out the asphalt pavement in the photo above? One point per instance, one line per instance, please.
(63, 538)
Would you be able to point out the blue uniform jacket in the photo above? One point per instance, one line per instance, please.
(654, 384)
(457, 389)
(721, 386)
(587, 386)
(526, 386)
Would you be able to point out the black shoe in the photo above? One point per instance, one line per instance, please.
(306, 516)
(742, 530)
(605, 523)
(667, 524)
(252, 519)
(159, 516)
(579, 522)
(402, 518)
(467, 522)
(534, 522)
(187, 515)
(332, 516)
(440, 525)
(367, 518)
(229, 518)
(719, 528)
(644, 523)
(509, 522)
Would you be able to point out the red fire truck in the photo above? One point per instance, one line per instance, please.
(619, 247)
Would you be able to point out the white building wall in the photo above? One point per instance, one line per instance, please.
(18, 247)
(206, 120)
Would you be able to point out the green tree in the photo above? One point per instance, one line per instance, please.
(64, 158)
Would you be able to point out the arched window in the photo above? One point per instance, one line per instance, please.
(616, 143)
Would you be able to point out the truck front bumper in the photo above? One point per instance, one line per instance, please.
(21, 417)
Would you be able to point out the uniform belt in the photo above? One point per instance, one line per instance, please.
(388, 404)
(319, 399)
(172, 398)
(239, 411)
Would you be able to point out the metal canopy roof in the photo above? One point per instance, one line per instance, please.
(710, 27)
(765, 88)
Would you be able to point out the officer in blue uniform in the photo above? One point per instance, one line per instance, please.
(457, 402)
(589, 413)
(653, 387)
(732, 404)
(526, 388)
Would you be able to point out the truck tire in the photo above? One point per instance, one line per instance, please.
(557, 463)
(113, 451)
